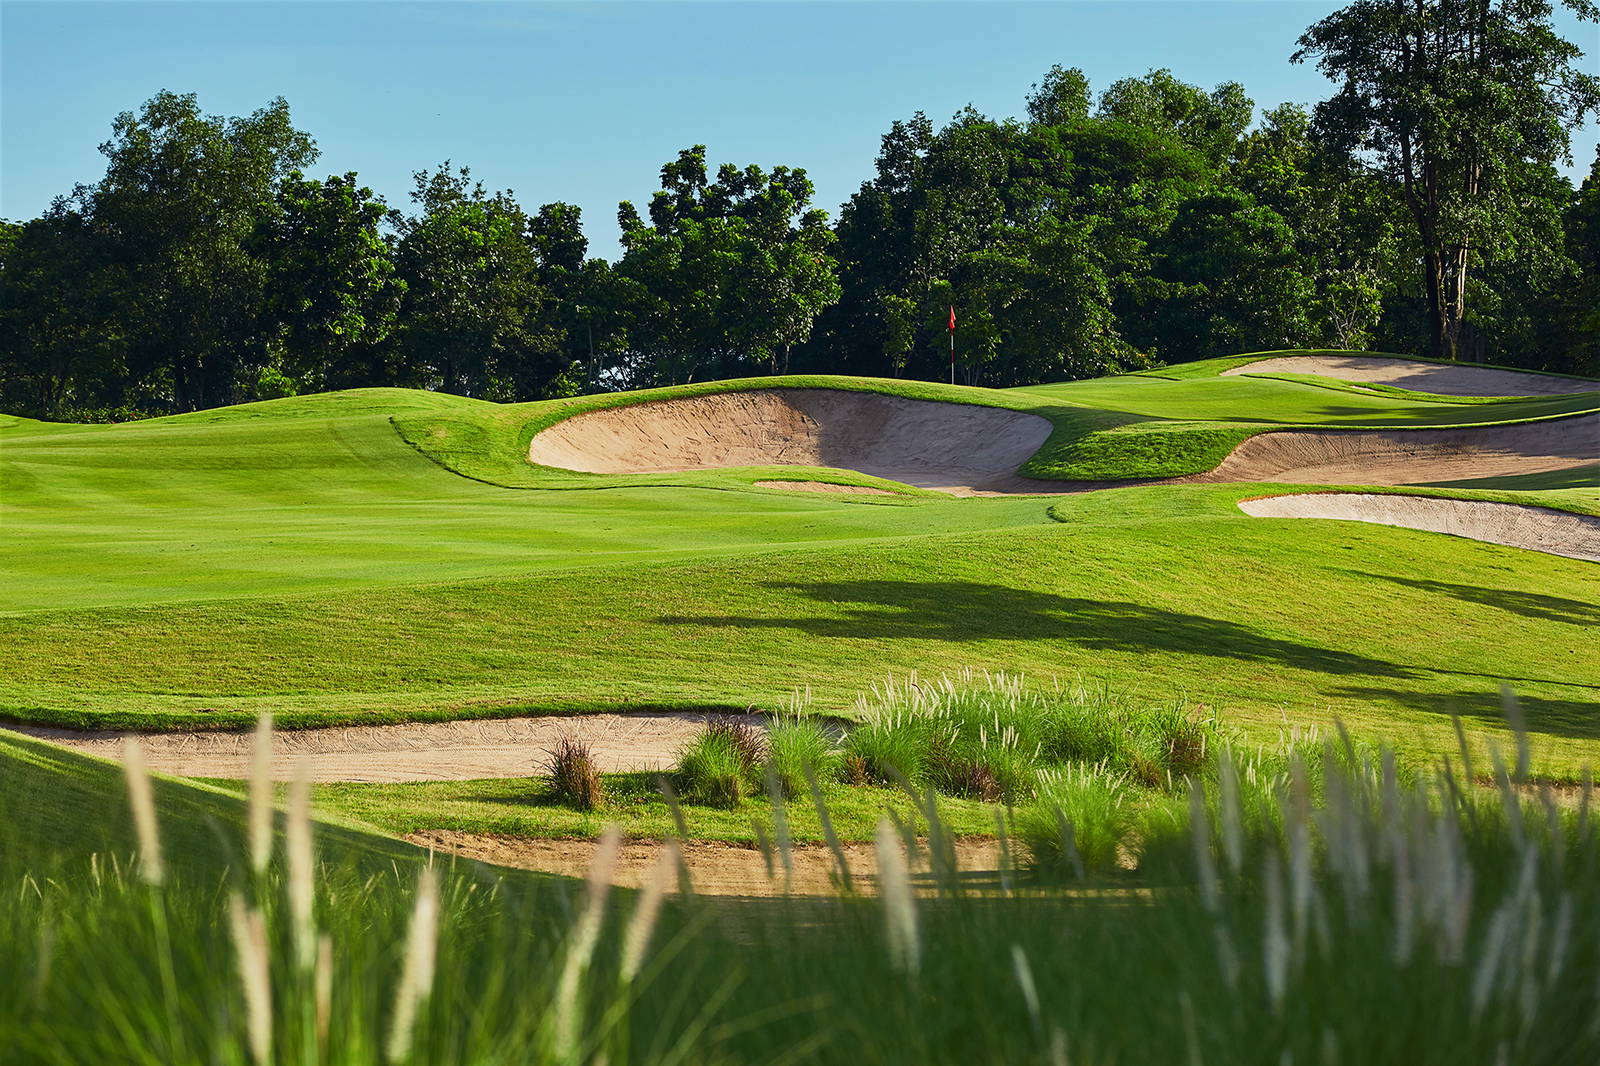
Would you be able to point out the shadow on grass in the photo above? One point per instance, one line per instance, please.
(1575, 718)
(1538, 605)
(961, 611)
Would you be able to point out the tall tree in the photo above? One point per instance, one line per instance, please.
(472, 302)
(1344, 221)
(582, 315)
(331, 283)
(1228, 280)
(731, 272)
(1209, 123)
(1451, 99)
(182, 194)
(1581, 312)
(60, 333)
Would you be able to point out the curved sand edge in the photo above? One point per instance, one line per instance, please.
(1514, 525)
(415, 751)
(824, 486)
(715, 868)
(1410, 456)
(1442, 379)
(961, 448)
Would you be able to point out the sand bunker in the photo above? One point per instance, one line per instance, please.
(1412, 456)
(715, 868)
(1444, 379)
(955, 447)
(417, 751)
(1515, 525)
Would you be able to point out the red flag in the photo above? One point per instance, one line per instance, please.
(952, 320)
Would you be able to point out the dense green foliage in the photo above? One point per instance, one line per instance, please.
(1156, 222)
(1462, 105)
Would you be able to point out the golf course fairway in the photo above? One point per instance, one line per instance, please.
(383, 555)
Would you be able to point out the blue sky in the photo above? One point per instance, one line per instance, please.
(584, 101)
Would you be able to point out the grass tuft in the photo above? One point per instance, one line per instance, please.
(574, 776)
(793, 744)
(1079, 822)
(722, 765)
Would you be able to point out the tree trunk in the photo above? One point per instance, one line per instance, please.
(1433, 270)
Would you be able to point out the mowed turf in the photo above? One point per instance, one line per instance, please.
(305, 557)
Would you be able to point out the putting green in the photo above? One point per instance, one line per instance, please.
(377, 555)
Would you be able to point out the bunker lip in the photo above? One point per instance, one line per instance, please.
(824, 486)
(1443, 379)
(973, 450)
(1514, 525)
(414, 751)
(1410, 456)
(960, 448)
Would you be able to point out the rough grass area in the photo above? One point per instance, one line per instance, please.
(1334, 911)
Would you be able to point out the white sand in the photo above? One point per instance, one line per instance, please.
(415, 751)
(1442, 379)
(960, 448)
(1411, 456)
(1514, 525)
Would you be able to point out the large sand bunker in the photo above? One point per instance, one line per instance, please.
(1515, 525)
(1411, 456)
(956, 447)
(417, 751)
(1442, 379)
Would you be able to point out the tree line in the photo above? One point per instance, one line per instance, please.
(1419, 209)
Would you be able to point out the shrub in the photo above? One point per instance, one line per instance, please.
(1078, 822)
(890, 746)
(1182, 740)
(794, 743)
(722, 765)
(1092, 731)
(574, 778)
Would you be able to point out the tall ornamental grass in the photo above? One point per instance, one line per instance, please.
(1307, 904)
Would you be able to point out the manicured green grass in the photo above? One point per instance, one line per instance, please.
(1165, 593)
(525, 807)
(300, 556)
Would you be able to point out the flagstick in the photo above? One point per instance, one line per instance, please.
(952, 345)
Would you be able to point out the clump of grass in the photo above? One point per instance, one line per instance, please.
(1083, 725)
(1079, 822)
(574, 778)
(987, 736)
(891, 746)
(1182, 740)
(722, 765)
(995, 765)
(795, 743)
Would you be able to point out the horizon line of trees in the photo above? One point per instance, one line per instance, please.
(1418, 210)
